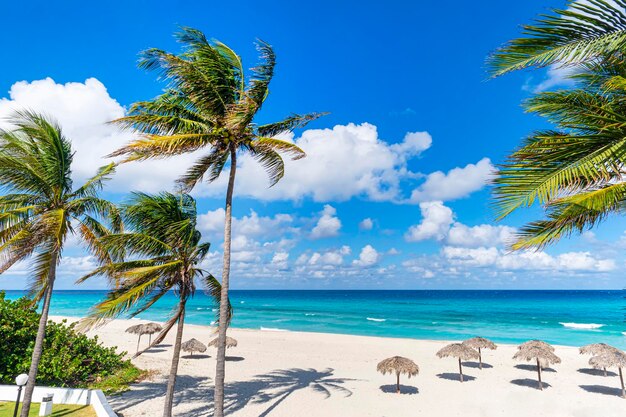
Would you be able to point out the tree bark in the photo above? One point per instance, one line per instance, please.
(220, 368)
(621, 379)
(460, 371)
(480, 359)
(41, 334)
(539, 374)
(171, 382)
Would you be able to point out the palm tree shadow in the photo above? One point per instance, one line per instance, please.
(404, 389)
(599, 389)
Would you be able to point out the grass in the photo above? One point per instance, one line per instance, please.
(58, 410)
(119, 381)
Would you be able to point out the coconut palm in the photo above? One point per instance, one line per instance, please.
(583, 32)
(575, 170)
(210, 106)
(40, 208)
(162, 252)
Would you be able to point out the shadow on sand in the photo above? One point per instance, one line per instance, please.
(234, 359)
(599, 389)
(477, 365)
(404, 389)
(271, 388)
(530, 383)
(455, 377)
(596, 372)
(533, 368)
(196, 356)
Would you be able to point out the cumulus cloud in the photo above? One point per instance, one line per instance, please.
(436, 221)
(279, 260)
(368, 257)
(331, 257)
(212, 223)
(456, 183)
(536, 261)
(328, 224)
(481, 235)
(366, 224)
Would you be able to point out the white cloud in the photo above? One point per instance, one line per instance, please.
(456, 183)
(328, 224)
(212, 223)
(83, 111)
(366, 224)
(481, 235)
(368, 257)
(343, 162)
(527, 260)
(332, 257)
(436, 221)
(279, 260)
(556, 76)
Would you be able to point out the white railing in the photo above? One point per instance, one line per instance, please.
(94, 398)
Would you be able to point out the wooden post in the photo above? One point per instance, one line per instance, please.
(539, 373)
(397, 382)
(621, 379)
(460, 370)
(480, 360)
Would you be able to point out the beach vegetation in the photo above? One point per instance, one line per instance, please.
(210, 105)
(69, 358)
(40, 208)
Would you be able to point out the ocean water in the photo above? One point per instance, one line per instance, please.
(562, 317)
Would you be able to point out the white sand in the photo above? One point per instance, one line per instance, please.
(287, 374)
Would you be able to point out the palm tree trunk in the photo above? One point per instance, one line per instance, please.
(539, 374)
(41, 334)
(171, 382)
(480, 359)
(460, 371)
(220, 368)
(621, 379)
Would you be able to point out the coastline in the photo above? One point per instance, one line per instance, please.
(287, 373)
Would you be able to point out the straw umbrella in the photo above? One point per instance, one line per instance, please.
(536, 343)
(150, 329)
(597, 349)
(609, 359)
(138, 330)
(542, 355)
(461, 351)
(193, 345)
(399, 365)
(230, 342)
(480, 343)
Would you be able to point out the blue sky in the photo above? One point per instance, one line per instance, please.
(413, 131)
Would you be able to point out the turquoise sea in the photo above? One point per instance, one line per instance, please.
(561, 317)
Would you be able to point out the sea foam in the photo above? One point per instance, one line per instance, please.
(586, 326)
(273, 329)
(375, 319)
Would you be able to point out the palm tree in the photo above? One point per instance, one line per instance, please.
(40, 208)
(583, 32)
(211, 105)
(162, 252)
(575, 171)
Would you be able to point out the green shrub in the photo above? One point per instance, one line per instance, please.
(70, 358)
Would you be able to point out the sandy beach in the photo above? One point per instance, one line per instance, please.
(286, 374)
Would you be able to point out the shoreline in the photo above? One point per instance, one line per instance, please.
(282, 374)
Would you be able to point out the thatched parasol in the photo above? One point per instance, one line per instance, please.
(536, 343)
(534, 352)
(461, 351)
(150, 329)
(609, 359)
(597, 349)
(230, 342)
(480, 343)
(138, 330)
(399, 365)
(193, 345)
